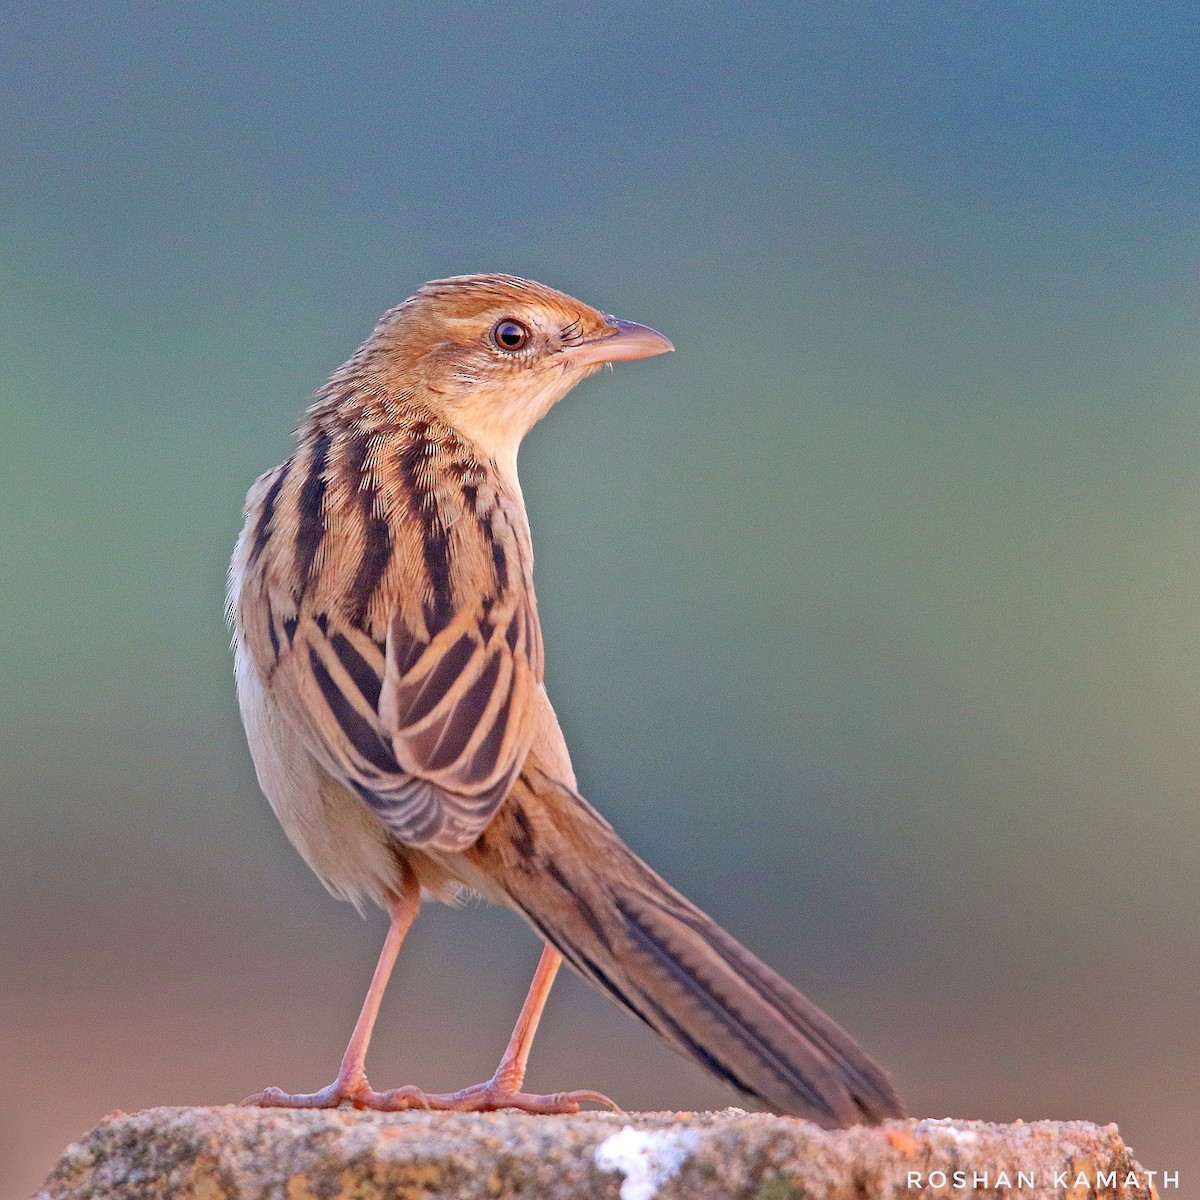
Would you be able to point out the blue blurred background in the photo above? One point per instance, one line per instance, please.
(870, 614)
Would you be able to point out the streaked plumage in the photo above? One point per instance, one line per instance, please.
(390, 666)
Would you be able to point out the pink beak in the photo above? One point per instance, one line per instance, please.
(627, 341)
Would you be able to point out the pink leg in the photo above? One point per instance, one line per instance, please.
(351, 1085)
(503, 1090)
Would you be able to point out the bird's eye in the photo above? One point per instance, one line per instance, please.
(509, 334)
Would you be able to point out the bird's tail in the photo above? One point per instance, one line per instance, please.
(619, 925)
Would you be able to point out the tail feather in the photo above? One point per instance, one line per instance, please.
(658, 956)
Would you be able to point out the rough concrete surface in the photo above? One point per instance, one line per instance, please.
(234, 1153)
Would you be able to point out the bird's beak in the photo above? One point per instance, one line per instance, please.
(622, 342)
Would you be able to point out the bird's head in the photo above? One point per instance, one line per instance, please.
(493, 353)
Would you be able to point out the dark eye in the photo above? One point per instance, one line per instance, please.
(509, 334)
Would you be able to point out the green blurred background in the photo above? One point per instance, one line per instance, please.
(870, 614)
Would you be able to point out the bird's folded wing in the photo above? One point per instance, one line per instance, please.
(430, 733)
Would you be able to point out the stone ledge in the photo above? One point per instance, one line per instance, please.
(234, 1153)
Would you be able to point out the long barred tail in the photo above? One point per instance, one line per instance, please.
(657, 955)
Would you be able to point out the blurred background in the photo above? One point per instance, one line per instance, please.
(871, 613)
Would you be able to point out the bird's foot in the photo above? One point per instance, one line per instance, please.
(481, 1097)
(492, 1096)
(355, 1091)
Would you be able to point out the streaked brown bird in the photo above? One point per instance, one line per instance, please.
(389, 672)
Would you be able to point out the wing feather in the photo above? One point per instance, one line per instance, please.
(431, 736)
(408, 655)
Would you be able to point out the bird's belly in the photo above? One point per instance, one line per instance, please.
(334, 831)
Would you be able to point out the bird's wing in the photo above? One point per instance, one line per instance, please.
(430, 733)
(390, 611)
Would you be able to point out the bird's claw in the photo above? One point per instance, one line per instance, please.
(491, 1097)
(482, 1097)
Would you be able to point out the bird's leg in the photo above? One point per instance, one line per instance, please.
(503, 1090)
(350, 1086)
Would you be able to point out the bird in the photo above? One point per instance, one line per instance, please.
(390, 675)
